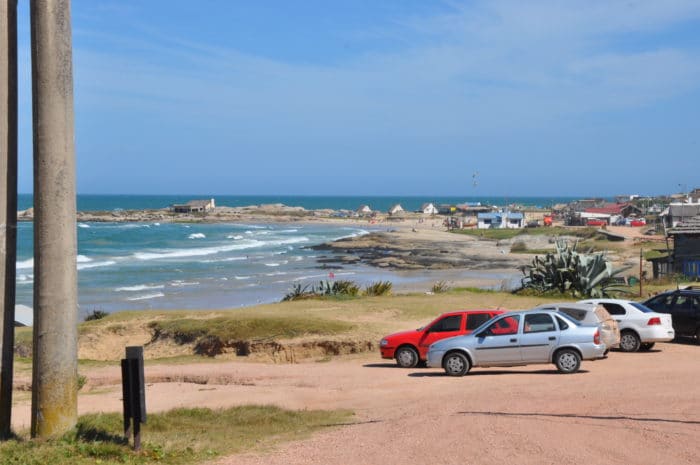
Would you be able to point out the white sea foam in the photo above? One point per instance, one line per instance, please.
(276, 273)
(83, 259)
(196, 252)
(240, 278)
(221, 260)
(183, 283)
(285, 231)
(83, 225)
(85, 266)
(156, 224)
(272, 264)
(154, 295)
(197, 236)
(142, 287)
(361, 232)
(236, 237)
(25, 264)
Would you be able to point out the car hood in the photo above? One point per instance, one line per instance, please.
(403, 334)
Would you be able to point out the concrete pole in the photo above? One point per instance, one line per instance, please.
(55, 367)
(8, 206)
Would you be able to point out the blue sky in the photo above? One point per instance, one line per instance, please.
(369, 97)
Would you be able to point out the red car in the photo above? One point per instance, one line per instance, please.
(410, 347)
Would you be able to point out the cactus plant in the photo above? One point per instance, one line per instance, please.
(567, 271)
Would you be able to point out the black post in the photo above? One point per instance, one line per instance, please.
(134, 393)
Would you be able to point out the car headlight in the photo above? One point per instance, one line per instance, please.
(383, 343)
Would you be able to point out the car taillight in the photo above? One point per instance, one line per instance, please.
(654, 321)
(596, 337)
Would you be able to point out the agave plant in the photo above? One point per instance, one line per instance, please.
(567, 271)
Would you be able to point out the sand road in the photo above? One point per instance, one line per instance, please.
(641, 408)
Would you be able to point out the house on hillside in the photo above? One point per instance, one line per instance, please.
(500, 220)
(429, 209)
(194, 206)
(609, 213)
(686, 247)
(677, 213)
(694, 196)
(396, 210)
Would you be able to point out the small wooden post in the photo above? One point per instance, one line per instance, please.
(133, 393)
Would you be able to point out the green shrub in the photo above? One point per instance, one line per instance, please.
(378, 288)
(96, 314)
(518, 247)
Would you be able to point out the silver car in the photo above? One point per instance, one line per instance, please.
(520, 338)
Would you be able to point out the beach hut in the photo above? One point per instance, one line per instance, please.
(429, 209)
(396, 209)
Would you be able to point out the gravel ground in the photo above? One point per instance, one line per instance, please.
(641, 408)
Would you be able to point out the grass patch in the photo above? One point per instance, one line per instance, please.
(182, 436)
(186, 330)
(499, 234)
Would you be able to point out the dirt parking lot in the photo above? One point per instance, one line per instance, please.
(640, 408)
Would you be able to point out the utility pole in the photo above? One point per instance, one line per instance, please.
(55, 364)
(8, 206)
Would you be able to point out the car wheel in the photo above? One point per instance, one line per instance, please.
(567, 361)
(456, 364)
(647, 346)
(407, 357)
(629, 342)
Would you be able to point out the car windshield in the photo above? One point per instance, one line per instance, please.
(483, 326)
(641, 307)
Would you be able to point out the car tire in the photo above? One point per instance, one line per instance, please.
(407, 357)
(567, 361)
(646, 346)
(456, 364)
(629, 342)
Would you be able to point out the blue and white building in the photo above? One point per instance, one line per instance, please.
(500, 220)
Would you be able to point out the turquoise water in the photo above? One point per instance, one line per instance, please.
(207, 266)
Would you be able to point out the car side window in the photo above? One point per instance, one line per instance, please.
(449, 323)
(614, 309)
(538, 323)
(683, 304)
(504, 326)
(476, 320)
(562, 324)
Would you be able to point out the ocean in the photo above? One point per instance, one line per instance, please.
(126, 266)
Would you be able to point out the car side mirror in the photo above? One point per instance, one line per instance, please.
(482, 334)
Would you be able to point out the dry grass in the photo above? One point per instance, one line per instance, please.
(182, 436)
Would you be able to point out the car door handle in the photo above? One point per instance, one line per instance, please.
(513, 340)
(552, 338)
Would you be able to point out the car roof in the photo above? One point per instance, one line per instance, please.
(608, 301)
(468, 312)
(589, 307)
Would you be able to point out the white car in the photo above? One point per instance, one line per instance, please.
(640, 326)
